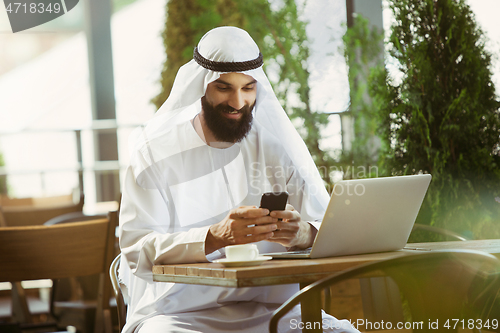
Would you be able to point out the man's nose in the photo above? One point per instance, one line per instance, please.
(236, 101)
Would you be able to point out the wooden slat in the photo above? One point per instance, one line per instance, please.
(157, 269)
(169, 270)
(218, 273)
(180, 270)
(206, 271)
(192, 271)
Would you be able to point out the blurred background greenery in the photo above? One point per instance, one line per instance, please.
(441, 116)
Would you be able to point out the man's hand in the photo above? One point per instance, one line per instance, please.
(292, 231)
(246, 224)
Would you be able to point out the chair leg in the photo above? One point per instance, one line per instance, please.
(108, 322)
(327, 294)
(10, 328)
(20, 309)
(311, 311)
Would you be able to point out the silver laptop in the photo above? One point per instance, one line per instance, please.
(366, 216)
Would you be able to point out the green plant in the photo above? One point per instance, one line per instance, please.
(3, 178)
(289, 48)
(363, 51)
(443, 117)
(119, 4)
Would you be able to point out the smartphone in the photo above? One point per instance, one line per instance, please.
(274, 200)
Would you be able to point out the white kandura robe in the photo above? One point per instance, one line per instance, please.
(204, 183)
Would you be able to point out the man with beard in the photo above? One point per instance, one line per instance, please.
(198, 170)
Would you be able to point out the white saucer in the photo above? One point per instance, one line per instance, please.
(252, 262)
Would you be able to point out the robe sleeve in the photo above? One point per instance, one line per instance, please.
(143, 232)
(303, 199)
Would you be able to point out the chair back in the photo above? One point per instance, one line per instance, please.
(8, 201)
(120, 303)
(436, 286)
(36, 201)
(36, 211)
(60, 251)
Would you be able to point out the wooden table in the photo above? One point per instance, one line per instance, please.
(302, 271)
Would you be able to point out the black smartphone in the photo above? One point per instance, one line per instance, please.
(274, 200)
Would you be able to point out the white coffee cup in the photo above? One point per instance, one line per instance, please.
(242, 252)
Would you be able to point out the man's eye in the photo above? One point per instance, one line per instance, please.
(222, 88)
(249, 88)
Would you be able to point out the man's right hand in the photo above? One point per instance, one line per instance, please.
(245, 224)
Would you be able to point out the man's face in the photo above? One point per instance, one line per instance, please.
(227, 106)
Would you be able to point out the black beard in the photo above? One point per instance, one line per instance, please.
(224, 129)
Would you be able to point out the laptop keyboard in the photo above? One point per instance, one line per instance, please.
(306, 251)
(415, 248)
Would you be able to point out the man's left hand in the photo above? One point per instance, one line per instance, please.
(292, 231)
